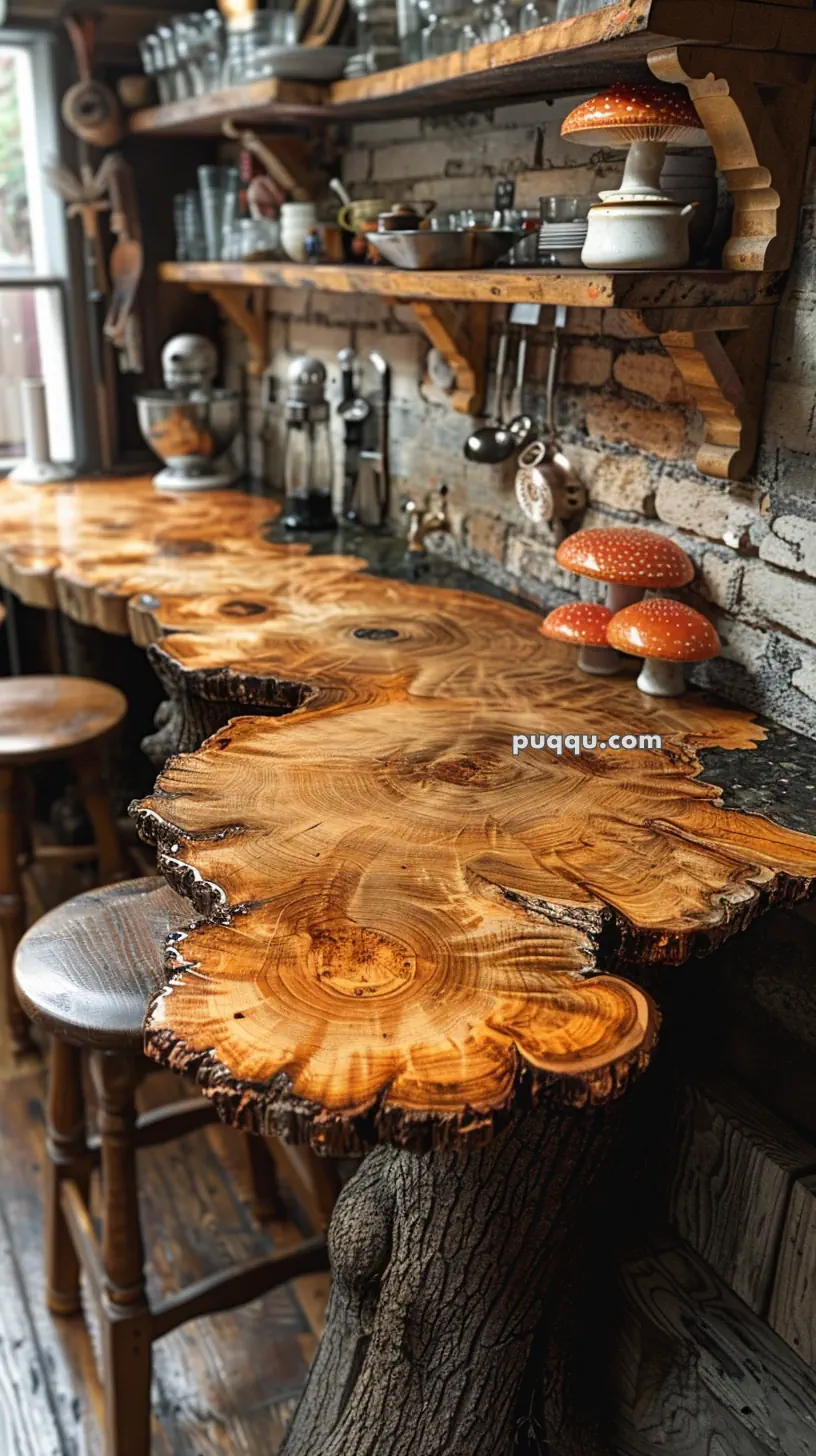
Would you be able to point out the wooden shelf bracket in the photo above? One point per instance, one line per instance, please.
(246, 308)
(459, 332)
(727, 382)
(757, 109)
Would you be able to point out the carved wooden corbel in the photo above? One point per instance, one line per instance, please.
(459, 332)
(726, 381)
(251, 320)
(757, 109)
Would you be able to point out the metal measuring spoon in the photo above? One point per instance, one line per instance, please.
(491, 444)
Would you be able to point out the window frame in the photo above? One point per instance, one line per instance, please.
(49, 279)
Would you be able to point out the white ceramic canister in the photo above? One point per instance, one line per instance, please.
(297, 219)
(653, 234)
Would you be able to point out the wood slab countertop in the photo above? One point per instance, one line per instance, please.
(404, 922)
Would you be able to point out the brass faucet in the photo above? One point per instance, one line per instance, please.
(433, 516)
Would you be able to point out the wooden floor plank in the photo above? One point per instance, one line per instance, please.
(28, 1426)
(224, 1386)
(67, 1358)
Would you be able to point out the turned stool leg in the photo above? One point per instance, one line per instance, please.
(265, 1193)
(67, 1157)
(13, 1021)
(126, 1352)
(93, 787)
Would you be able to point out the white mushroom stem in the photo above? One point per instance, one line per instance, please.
(599, 661)
(661, 679)
(619, 596)
(644, 163)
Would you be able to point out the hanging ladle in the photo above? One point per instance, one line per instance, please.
(491, 444)
(521, 427)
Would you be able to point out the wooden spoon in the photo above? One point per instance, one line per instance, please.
(326, 21)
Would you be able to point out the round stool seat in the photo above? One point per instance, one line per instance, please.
(46, 717)
(87, 970)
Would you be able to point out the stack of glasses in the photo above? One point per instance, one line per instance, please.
(186, 57)
(209, 226)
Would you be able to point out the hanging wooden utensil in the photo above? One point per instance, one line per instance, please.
(275, 166)
(325, 23)
(304, 10)
(238, 14)
(126, 261)
(89, 109)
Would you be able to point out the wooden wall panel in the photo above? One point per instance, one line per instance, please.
(793, 1298)
(736, 1166)
(697, 1373)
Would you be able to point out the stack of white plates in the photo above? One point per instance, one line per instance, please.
(560, 243)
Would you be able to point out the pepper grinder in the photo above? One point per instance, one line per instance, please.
(308, 471)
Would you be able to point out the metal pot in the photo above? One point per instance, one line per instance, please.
(405, 217)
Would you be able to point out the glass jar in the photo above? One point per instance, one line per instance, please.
(270, 31)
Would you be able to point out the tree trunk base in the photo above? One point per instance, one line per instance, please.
(446, 1266)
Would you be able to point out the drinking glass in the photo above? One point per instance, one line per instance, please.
(183, 28)
(568, 8)
(229, 206)
(210, 58)
(253, 236)
(270, 30)
(564, 209)
(179, 225)
(498, 25)
(236, 57)
(195, 243)
(440, 36)
(176, 81)
(218, 188)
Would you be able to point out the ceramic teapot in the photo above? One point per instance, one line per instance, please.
(651, 233)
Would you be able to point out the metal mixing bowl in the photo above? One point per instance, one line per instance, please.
(427, 248)
(189, 432)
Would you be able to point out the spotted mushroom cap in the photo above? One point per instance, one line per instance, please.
(627, 555)
(631, 113)
(581, 623)
(664, 628)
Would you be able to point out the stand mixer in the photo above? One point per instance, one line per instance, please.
(189, 424)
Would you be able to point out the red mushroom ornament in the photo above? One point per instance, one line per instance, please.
(583, 625)
(631, 559)
(637, 226)
(666, 634)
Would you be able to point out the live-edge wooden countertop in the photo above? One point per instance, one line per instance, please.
(407, 928)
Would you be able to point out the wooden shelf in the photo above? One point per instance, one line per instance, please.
(608, 44)
(687, 311)
(575, 287)
(589, 51)
(285, 102)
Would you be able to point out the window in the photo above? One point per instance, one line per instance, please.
(33, 257)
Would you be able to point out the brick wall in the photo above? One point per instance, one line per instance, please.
(622, 409)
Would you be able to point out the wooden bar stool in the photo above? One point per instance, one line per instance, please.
(86, 972)
(42, 718)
